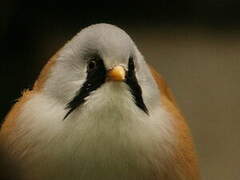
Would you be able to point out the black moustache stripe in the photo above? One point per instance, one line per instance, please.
(135, 89)
(95, 79)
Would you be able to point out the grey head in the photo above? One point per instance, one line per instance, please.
(84, 62)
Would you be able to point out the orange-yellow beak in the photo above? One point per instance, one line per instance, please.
(117, 73)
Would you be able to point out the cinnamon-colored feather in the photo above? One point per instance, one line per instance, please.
(9, 121)
(185, 154)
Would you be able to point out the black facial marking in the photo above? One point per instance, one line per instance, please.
(135, 89)
(96, 75)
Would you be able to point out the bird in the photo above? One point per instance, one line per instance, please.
(99, 111)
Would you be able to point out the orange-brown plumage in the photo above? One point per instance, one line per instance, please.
(9, 121)
(186, 153)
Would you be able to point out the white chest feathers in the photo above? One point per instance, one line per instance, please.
(115, 140)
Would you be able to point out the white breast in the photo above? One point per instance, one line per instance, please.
(105, 139)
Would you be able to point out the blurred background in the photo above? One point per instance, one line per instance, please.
(194, 44)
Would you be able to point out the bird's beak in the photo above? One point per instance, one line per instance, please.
(117, 73)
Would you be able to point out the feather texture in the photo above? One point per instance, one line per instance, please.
(185, 155)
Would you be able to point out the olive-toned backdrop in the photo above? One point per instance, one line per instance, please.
(194, 44)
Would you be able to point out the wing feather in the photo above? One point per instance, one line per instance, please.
(185, 153)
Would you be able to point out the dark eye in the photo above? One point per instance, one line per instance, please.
(92, 65)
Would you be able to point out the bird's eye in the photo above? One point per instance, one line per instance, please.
(92, 65)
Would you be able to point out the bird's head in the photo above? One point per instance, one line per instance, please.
(100, 60)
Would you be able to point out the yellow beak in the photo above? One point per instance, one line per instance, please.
(117, 73)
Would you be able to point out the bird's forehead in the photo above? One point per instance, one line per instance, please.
(110, 42)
